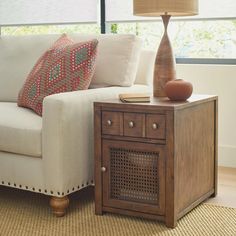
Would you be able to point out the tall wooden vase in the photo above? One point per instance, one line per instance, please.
(164, 64)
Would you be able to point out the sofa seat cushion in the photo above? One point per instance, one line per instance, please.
(20, 130)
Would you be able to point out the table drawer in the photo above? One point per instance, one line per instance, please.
(155, 126)
(134, 124)
(112, 123)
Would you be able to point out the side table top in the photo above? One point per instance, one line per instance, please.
(161, 102)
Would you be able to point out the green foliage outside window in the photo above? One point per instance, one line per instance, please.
(51, 29)
(190, 39)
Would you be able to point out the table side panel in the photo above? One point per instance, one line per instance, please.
(194, 153)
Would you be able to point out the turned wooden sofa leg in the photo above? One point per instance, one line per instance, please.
(59, 205)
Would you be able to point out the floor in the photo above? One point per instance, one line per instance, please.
(226, 188)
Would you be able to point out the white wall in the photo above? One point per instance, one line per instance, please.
(219, 80)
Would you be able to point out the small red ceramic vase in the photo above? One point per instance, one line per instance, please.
(178, 90)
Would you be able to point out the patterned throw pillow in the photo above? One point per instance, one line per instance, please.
(65, 67)
(62, 41)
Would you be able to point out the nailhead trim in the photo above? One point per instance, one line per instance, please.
(46, 191)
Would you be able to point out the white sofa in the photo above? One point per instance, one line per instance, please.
(53, 154)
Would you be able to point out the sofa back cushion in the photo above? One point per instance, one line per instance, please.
(116, 65)
(117, 59)
(18, 55)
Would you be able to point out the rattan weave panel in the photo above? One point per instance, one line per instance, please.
(134, 175)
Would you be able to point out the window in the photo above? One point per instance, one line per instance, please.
(210, 36)
(190, 39)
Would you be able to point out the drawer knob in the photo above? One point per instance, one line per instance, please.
(155, 126)
(131, 124)
(109, 122)
(103, 169)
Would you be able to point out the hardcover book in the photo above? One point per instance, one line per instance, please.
(134, 97)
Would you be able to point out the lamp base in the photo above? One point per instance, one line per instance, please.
(164, 70)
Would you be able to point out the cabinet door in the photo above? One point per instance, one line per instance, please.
(133, 176)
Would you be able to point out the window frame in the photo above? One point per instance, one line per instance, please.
(189, 60)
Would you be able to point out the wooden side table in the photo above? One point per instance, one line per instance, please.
(156, 160)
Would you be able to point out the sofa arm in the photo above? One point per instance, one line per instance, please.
(67, 136)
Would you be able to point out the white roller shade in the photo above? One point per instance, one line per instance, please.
(23, 12)
(122, 10)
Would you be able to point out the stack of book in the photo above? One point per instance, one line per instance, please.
(134, 97)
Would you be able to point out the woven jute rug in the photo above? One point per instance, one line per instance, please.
(25, 213)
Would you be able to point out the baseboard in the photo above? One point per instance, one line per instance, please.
(227, 156)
